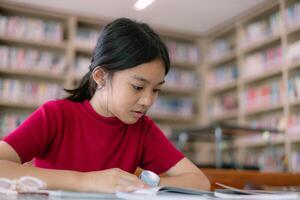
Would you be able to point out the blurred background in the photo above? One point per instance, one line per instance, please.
(231, 99)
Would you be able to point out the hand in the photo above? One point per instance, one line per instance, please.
(110, 181)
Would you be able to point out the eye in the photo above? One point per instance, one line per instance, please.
(156, 90)
(137, 88)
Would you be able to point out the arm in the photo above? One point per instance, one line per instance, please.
(110, 180)
(185, 174)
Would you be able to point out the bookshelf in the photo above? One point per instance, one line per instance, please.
(56, 53)
(263, 45)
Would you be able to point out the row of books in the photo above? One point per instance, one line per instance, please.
(181, 79)
(10, 121)
(28, 92)
(263, 96)
(221, 104)
(295, 161)
(294, 123)
(260, 30)
(222, 75)
(31, 59)
(261, 62)
(294, 87)
(293, 52)
(171, 106)
(219, 48)
(31, 28)
(270, 159)
(87, 37)
(82, 64)
(270, 121)
(183, 52)
(292, 15)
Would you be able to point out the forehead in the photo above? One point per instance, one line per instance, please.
(152, 71)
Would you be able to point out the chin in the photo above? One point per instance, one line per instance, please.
(130, 121)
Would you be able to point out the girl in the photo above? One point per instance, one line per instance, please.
(96, 138)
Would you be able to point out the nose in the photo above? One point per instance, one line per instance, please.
(147, 99)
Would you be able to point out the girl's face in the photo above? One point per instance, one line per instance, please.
(131, 92)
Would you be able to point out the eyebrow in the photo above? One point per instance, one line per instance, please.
(145, 80)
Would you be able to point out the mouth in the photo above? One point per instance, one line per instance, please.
(139, 114)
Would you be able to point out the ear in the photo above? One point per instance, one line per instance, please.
(99, 75)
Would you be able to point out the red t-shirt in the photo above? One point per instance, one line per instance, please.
(70, 135)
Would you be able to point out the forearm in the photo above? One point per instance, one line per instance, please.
(55, 179)
(188, 180)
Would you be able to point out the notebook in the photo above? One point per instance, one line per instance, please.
(166, 192)
(234, 193)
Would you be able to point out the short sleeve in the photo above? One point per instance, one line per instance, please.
(33, 136)
(159, 153)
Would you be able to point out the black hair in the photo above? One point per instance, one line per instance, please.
(122, 44)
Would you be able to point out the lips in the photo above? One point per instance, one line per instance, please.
(139, 113)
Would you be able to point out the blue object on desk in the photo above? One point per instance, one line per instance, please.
(150, 178)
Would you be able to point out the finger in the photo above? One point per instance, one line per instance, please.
(137, 183)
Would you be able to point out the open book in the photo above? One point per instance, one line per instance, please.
(166, 192)
(234, 193)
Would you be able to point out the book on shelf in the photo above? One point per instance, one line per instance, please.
(261, 62)
(258, 31)
(221, 76)
(31, 28)
(292, 15)
(31, 59)
(183, 52)
(87, 37)
(173, 106)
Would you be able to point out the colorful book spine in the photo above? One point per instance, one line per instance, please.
(31, 59)
(261, 62)
(31, 28)
(171, 106)
(222, 104)
(28, 92)
(10, 121)
(182, 79)
(221, 76)
(263, 96)
(183, 52)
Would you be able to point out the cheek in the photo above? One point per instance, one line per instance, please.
(123, 100)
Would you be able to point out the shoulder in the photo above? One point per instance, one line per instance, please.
(60, 106)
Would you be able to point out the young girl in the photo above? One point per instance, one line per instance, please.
(96, 138)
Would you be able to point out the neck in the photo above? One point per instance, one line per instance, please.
(100, 105)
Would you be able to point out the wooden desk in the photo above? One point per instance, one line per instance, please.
(239, 178)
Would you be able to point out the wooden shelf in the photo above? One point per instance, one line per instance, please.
(294, 65)
(260, 44)
(227, 57)
(19, 105)
(264, 109)
(265, 75)
(43, 44)
(294, 103)
(228, 86)
(294, 29)
(294, 138)
(181, 64)
(274, 140)
(84, 49)
(225, 116)
(32, 73)
(171, 118)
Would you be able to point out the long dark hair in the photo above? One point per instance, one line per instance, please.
(122, 44)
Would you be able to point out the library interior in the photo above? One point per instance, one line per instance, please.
(240, 129)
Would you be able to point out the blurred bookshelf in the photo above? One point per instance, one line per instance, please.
(43, 51)
(252, 77)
